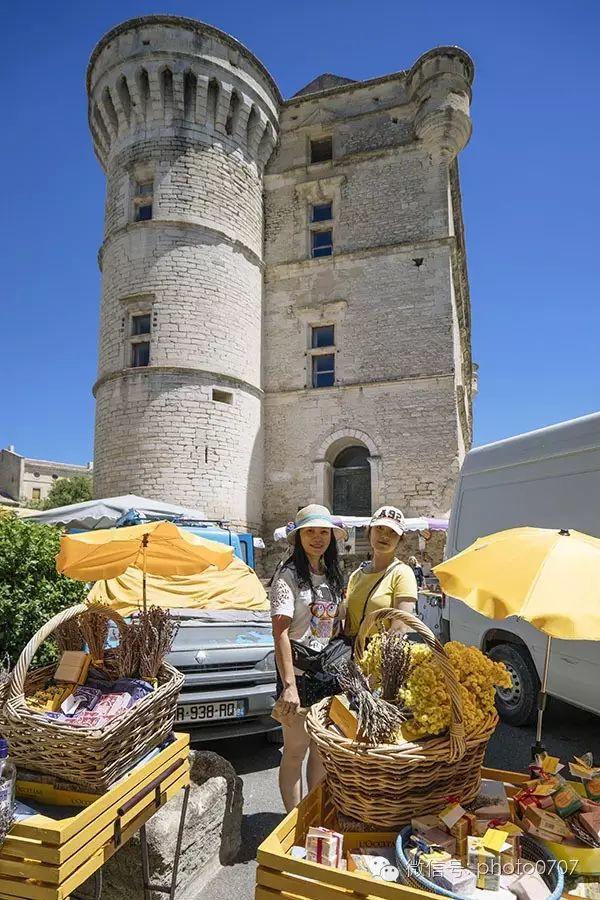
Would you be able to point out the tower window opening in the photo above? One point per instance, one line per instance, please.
(124, 97)
(110, 110)
(140, 354)
(321, 243)
(233, 114)
(36, 493)
(140, 324)
(321, 150)
(251, 127)
(322, 212)
(143, 200)
(190, 87)
(322, 336)
(222, 396)
(143, 83)
(166, 84)
(323, 370)
(212, 99)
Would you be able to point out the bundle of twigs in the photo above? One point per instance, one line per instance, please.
(157, 630)
(94, 627)
(68, 636)
(378, 721)
(396, 664)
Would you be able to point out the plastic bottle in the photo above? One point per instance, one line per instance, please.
(8, 778)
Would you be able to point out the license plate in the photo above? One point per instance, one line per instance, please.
(210, 712)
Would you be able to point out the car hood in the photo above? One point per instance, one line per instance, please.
(222, 637)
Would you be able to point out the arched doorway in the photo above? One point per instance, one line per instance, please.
(352, 482)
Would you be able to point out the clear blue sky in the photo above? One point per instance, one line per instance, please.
(530, 182)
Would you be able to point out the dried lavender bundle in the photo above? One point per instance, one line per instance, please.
(396, 664)
(157, 633)
(127, 653)
(378, 721)
(68, 636)
(94, 629)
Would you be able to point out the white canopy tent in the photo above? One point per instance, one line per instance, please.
(105, 513)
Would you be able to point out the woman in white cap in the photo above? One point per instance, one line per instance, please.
(383, 581)
(306, 598)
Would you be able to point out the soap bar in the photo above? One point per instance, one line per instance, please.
(324, 846)
(421, 824)
(566, 801)
(530, 887)
(491, 802)
(73, 667)
(435, 837)
(452, 877)
(484, 863)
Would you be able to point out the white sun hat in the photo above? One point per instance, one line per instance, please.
(314, 516)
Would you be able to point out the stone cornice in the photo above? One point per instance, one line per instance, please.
(357, 385)
(162, 224)
(302, 265)
(183, 371)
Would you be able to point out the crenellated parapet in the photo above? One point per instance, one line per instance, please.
(153, 76)
(439, 84)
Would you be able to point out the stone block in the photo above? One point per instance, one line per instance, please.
(211, 839)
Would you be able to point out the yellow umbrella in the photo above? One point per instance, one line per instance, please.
(160, 548)
(548, 577)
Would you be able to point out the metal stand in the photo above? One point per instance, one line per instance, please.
(97, 876)
(538, 747)
(163, 889)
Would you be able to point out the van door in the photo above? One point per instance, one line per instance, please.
(574, 671)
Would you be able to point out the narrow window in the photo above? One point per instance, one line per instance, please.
(322, 336)
(143, 199)
(36, 494)
(321, 150)
(140, 324)
(222, 396)
(321, 212)
(323, 370)
(321, 243)
(140, 354)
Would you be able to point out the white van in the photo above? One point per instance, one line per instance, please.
(548, 478)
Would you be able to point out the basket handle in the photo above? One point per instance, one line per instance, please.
(382, 616)
(19, 673)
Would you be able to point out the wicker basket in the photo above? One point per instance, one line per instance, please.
(92, 758)
(386, 785)
(541, 859)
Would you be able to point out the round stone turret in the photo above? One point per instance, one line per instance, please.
(439, 84)
(184, 119)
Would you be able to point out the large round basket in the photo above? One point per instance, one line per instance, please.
(385, 785)
(91, 758)
(538, 858)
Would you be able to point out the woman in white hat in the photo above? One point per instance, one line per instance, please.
(306, 598)
(383, 581)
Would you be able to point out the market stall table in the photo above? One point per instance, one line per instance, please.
(280, 875)
(47, 858)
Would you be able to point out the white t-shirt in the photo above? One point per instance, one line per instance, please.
(315, 620)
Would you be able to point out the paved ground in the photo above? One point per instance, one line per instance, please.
(567, 731)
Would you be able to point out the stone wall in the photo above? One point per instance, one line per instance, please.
(394, 288)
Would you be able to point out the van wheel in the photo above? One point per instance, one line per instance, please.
(517, 705)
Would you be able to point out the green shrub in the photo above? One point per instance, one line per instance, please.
(31, 590)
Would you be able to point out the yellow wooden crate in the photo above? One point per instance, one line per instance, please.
(281, 876)
(47, 859)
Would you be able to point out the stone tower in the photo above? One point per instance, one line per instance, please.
(368, 375)
(183, 119)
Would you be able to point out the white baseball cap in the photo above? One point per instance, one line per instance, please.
(390, 517)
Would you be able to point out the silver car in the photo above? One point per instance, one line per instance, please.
(228, 659)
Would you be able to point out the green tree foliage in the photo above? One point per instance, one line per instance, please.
(65, 491)
(31, 590)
